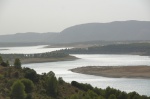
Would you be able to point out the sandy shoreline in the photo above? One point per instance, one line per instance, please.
(116, 71)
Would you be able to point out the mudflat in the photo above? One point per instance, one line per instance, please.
(116, 71)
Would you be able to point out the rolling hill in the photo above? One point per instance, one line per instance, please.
(113, 31)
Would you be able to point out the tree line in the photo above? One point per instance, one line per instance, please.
(54, 54)
(98, 93)
(134, 48)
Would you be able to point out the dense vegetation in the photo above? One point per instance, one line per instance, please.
(24, 83)
(134, 48)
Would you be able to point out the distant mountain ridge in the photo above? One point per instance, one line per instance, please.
(28, 37)
(113, 31)
(123, 30)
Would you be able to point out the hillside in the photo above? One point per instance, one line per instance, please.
(25, 83)
(113, 31)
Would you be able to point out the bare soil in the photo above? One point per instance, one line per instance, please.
(116, 71)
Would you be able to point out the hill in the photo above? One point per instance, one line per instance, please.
(25, 83)
(29, 37)
(113, 31)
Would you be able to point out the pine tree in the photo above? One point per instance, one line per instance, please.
(7, 62)
(17, 63)
(51, 84)
(1, 59)
(29, 86)
(17, 90)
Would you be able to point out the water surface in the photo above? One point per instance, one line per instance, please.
(61, 69)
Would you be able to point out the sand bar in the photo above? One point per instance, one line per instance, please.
(116, 71)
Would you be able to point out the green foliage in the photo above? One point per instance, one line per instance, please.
(60, 80)
(17, 90)
(46, 86)
(51, 84)
(86, 95)
(7, 62)
(75, 96)
(29, 86)
(1, 76)
(92, 94)
(17, 63)
(82, 86)
(133, 95)
(123, 95)
(4, 64)
(112, 96)
(16, 74)
(109, 91)
(31, 74)
(1, 59)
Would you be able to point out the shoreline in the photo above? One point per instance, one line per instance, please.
(142, 72)
(42, 60)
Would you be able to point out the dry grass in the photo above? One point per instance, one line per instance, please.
(116, 71)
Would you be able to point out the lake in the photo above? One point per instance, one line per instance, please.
(27, 49)
(61, 69)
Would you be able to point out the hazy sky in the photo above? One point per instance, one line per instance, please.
(18, 16)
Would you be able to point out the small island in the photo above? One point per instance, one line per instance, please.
(116, 71)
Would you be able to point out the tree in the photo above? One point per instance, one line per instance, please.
(4, 64)
(17, 90)
(31, 74)
(51, 84)
(1, 59)
(112, 96)
(7, 62)
(17, 63)
(61, 81)
(29, 86)
(92, 94)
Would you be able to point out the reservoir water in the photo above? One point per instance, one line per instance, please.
(61, 69)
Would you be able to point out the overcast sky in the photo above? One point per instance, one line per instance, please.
(19, 16)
